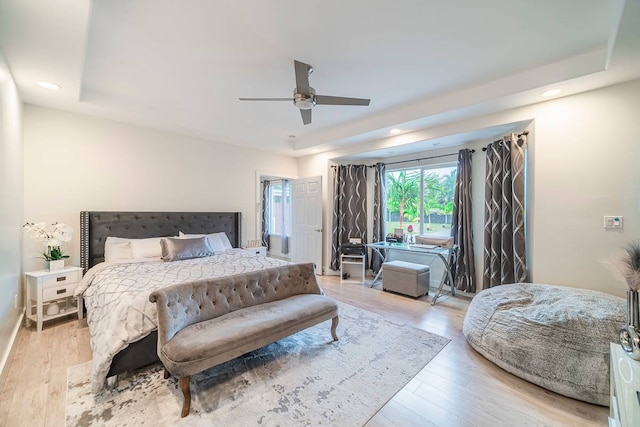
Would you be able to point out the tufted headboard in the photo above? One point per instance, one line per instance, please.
(95, 227)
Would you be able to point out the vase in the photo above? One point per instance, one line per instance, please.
(630, 334)
(55, 265)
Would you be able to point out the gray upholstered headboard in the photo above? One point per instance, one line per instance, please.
(95, 227)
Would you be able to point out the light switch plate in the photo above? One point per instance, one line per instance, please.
(613, 222)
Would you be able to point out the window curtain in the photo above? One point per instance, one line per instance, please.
(349, 209)
(286, 210)
(504, 230)
(265, 214)
(463, 266)
(379, 211)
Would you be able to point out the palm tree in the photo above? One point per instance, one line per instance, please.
(404, 191)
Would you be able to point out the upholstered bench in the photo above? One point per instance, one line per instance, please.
(553, 336)
(405, 278)
(205, 323)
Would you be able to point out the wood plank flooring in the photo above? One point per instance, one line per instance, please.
(457, 388)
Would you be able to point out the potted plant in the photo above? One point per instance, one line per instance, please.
(52, 236)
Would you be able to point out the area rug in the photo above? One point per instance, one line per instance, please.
(305, 379)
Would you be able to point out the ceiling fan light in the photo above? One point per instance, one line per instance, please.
(304, 104)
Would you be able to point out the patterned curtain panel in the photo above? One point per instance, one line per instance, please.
(379, 209)
(286, 211)
(464, 267)
(504, 238)
(265, 214)
(349, 209)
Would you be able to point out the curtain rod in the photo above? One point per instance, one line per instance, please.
(412, 160)
(423, 158)
(526, 132)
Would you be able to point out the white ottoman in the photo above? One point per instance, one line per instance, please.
(405, 278)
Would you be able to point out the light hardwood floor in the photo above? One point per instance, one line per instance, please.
(457, 388)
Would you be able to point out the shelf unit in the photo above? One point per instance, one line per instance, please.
(353, 266)
(624, 388)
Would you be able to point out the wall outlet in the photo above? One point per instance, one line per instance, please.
(15, 301)
(613, 222)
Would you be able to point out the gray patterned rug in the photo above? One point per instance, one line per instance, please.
(305, 379)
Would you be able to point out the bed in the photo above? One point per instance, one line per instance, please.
(132, 349)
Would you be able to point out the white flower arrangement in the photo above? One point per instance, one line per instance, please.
(52, 236)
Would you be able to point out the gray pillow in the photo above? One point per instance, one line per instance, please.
(178, 249)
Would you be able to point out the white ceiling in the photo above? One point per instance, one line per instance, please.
(181, 66)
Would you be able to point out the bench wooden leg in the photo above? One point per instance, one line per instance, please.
(186, 391)
(166, 374)
(334, 326)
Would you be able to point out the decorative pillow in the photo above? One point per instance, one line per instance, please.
(146, 248)
(178, 249)
(116, 248)
(214, 241)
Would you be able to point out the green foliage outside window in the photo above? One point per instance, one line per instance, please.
(430, 213)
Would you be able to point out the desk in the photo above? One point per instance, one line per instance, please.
(444, 254)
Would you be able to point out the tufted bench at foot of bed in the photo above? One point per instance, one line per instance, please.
(203, 324)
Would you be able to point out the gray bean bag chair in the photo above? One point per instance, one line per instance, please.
(553, 336)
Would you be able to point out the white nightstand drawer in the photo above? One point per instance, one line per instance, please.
(259, 250)
(61, 291)
(61, 278)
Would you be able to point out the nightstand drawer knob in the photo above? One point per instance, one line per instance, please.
(61, 291)
(61, 279)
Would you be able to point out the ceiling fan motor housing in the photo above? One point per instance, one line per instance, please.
(304, 101)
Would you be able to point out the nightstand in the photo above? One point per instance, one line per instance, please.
(45, 289)
(258, 250)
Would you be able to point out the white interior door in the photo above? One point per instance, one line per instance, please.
(306, 210)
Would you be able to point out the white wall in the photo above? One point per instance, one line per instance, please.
(74, 163)
(584, 163)
(11, 210)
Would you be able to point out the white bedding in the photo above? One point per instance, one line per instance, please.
(117, 297)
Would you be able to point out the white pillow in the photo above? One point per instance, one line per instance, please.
(116, 248)
(146, 248)
(225, 240)
(215, 241)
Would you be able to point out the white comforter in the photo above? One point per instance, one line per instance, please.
(117, 297)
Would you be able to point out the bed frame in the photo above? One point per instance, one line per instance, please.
(95, 227)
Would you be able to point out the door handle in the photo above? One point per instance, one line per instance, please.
(319, 230)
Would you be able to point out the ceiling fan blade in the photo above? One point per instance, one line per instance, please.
(340, 100)
(265, 99)
(302, 77)
(306, 116)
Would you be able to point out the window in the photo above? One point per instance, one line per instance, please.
(279, 207)
(421, 198)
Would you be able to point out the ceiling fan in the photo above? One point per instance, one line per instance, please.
(304, 96)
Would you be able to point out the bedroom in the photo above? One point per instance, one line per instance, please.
(584, 154)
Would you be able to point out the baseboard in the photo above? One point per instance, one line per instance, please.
(10, 350)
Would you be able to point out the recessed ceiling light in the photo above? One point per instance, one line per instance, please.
(51, 86)
(551, 92)
(395, 131)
